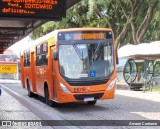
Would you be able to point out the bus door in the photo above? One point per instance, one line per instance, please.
(53, 73)
(33, 72)
(39, 71)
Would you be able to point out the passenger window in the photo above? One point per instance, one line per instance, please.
(42, 54)
(45, 54)
(38, 55)
(26, 58)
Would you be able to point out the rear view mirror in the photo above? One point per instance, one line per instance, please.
(55, 56)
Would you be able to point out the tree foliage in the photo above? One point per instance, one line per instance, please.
(132, 21)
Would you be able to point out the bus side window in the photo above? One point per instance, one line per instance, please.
(38, 55)
(45, 54)
(42, 54)
(44, 59)
(38, 60)
(26, 58)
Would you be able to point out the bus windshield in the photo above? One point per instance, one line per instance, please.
(87, 59)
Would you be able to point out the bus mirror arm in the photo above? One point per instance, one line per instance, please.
(117, 60)
(55, 56)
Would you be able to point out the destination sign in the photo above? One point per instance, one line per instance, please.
(85, 35)
(88, 36)
(33, 9)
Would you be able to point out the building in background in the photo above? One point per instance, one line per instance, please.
(9, 66)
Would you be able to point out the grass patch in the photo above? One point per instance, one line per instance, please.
(153, 89)
(156, 88)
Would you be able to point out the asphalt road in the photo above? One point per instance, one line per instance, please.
(127, 105)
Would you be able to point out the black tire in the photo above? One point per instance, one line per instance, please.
(46, 95)
(92, 102)
(53, 104)
(30, 94)
(47, 101)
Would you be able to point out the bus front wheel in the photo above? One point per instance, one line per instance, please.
(92, 102)
(47, 101)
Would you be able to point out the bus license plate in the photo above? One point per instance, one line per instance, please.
(89, 99)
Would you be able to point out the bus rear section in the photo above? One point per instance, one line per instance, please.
(81, 66)
(27, 70)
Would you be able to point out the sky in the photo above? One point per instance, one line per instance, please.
(20, 45)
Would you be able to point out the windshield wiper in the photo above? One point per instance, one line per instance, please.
(77, 50)
(95, 55)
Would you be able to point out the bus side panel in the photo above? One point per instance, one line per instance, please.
(39, 80)
(22, 71)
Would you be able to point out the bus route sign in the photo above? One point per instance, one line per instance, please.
(33, 9)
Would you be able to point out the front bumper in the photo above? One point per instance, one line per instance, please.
(77, 97)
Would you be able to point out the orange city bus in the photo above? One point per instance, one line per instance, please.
(71, 65)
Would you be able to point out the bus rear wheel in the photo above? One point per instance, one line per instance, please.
(30, 94)
(92, 102)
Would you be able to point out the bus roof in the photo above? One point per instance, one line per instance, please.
(54, 33)
(83, 29)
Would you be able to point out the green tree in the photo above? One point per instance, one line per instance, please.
(132, 21)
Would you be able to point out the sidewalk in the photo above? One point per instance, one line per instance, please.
(12, 109)
(152, 96)
(122, 86)
(9, 81)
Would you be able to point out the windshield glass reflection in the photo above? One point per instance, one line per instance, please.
(92, 60)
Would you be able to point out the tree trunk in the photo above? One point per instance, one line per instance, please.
(146, 22)
(120, 38)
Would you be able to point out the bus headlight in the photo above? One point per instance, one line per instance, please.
(64, 88)
(111, 84)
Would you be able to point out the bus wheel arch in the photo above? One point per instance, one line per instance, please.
(30, 94)
(46, 96)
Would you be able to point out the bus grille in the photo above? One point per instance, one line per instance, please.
(82, 96)
(87, 83)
